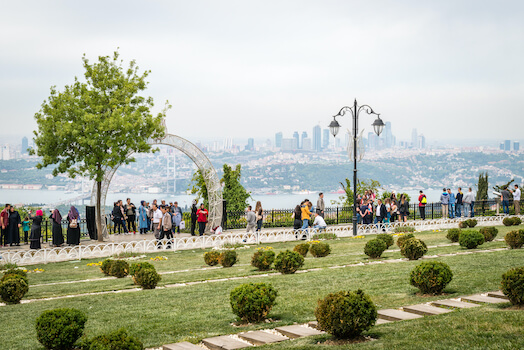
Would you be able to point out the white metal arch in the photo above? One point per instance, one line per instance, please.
(214, 189)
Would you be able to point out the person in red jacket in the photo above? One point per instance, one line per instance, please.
(422, 200)
(202, 219)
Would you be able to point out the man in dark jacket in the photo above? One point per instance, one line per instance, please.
(193, 217)
(459, 203)
(381, 212)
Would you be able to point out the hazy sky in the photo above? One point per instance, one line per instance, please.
(451, 69)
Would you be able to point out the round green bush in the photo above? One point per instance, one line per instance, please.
(263, 258)
(14, 271)
(319, 249)
(471, 222)
(516, 221)
(431, 277)
(252, 302)
(13, 288)
(515, 239)
(346, 314)
(11, 275)
(302, 249)
(59, 329)
(137, 266)
(374, 248)
(413, 249)
(228, 258)
(471, 239)
(211, 258)
(106, 266)
(117, 340)
(119, 268)
(147, 278)
(387, 238)
(288, 262)
(489, 233)
(403, 238)
(513, 285)
(453, 234)
(463, 224)
(507, 221)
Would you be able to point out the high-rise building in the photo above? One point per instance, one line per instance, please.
(278, 139)
(507, 145)
(25, 145)
(325, 138)
(250, 144)
(516, 145)
(297, 137)
(388, 135)
(317, 141)
(306, 144)
(414, 138)
(421, 142)
(304, 136)
(6, 152)
(502, 146)
(289, 144)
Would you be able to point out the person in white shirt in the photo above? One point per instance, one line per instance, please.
(469, 203)
(516, 199)
(319, 222)
(157, 218)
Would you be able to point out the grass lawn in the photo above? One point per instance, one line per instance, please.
(194, 312)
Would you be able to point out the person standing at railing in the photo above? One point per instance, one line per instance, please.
(157, 217)
(394, 210)
(26, 228)
(297, 218)
(165, 226)
(4, 223)
(56, 228)
(504, 197)
(73, 227)
(14, 227)
(422, 201)
(259, 212)
(367, 212)
(193, 216)
(380, 213)
(36, 229)
(444, 201)
(142, 217)
(469, 203)
(130, 211)
(306, 214)
(387, 203)
(516, 199)
(320, 204)
(251, 219)
(459, 203)
(404, 208)
(202, 219)
(177, 217)
(451, 204)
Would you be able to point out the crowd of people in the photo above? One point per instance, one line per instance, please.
(457, 205)
(373, 210)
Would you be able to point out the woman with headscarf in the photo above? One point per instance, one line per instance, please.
(73, 228)
(142, 217)
(58, 236)
(36, 229)
(13, 229)
(193, 217)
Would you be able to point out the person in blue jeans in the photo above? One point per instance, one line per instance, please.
(306, 214)
(505, 200)
(459, 203)
(451, 204)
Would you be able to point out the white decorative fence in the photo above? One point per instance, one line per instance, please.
(100, 250)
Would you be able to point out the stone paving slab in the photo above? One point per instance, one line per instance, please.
(426, 310)
(297, 331)
(224, 342)
(497, 294)
(477, 298)
(381, 321)
(261, 338)
(454, 304)
(396, 315)
(181, 346)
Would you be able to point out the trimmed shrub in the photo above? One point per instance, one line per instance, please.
(11, 275)
(387, 238)
(119, 268)
(147, 278)
(117, 340)
(106, 266)
(374, 248)
(59, 329)
(228, 258)
(288, 262)
(403, 229)
(453, 234)
(263, 258)
(513, 285)
(302, 249)
(252, 302)
(431, 277)
(489, 233)
(135, 267)
(515, 239)
(211, 258)
(403, 238)
(325, 235)
(511, 221)
(413, 249)
(15, 271)
(463, 224)
(346, 314)
(516, 221)
(319, 249)
(471, 239)
(13, 288)
(471, 222)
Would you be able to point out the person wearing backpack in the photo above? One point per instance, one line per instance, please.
(422, 201)
(73, 227)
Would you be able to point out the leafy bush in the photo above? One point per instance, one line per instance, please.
(403, 229)
(59, 329)
(319, 249)
(117, 340)
(516, 221)
(513, 285)
(374, 248)
(346, 314)
(511, 221)
(302, 249)
(263, 258)
(471, 222)
(413, 249)
(471, 239)
(15, 271)
(228, 258)
(135, 267)
(463, 224)
(147, 278)
(325, 235)
(489, 233)
(515, 239)
(252, 301)
(387, 238)
(13, 288)
(403, 238)
(288, 262)
(119, 268)
(10, 274)
(211, 258)
(431, 277)
(106, 266)
(453, 234)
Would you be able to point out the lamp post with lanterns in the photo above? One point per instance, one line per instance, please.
(334, 126)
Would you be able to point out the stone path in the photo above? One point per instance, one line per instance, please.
(254, 338)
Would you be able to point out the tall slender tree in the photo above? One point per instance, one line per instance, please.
(234, 193)
(482, 187)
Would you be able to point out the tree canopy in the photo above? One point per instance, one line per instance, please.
(234, 193)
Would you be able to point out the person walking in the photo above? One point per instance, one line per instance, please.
(36, 229)
(320, 205)
(58, 236)
(251, 219)
(156, 220)
(444, 201)
(165, 227)
(459, 202)
(404, 208)
(259, 212)
(193, 217)
(4, 223)
(14, 227)
(202, 219)
(451, 204)
(142, 217)
(130, 211)
(177, 217)
(73, 227)
(504, 197)
(516, 199)
(394, 210)
(116, 214)
(422, 201)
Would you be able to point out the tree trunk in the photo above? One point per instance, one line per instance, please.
(99, 211)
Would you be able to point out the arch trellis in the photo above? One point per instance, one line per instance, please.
(201, 161)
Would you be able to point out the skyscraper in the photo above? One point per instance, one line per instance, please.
(414, 138)
(278, 139)
(317, 141)
(516, 145)
(250, 144)
(25, 145)
(507, 145)
(297, 137)
(388, 135)
(325, 138)
(421, 141)
(304, 136)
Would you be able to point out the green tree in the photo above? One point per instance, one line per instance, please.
(362, 186)
(93, 126)
(234, 193)
(198, 187)
(482, 187)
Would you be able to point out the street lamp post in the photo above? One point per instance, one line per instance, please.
(334, 126)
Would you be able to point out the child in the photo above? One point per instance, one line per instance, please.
(26, 228)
